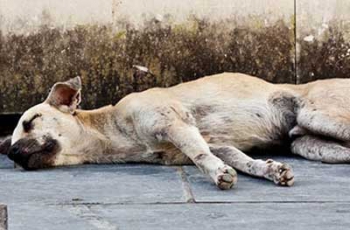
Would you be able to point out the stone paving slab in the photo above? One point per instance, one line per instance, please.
(183, 216)
(314, 181)
(154, 197)
(229, 216)
(34, 217)
(92, 184)
(3, 217)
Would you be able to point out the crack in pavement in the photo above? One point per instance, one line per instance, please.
(186, 186)
(198, 202)
(84, 212)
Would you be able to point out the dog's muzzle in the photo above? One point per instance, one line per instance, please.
(30, 155)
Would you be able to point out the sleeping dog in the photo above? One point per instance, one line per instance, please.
(210, 122)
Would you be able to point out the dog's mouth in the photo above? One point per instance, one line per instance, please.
(31, 155)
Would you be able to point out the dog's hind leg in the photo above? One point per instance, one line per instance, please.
(324, 122)
(319, 149)
(279, 173)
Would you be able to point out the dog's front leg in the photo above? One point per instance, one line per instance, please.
(278, 172)
(188, 139)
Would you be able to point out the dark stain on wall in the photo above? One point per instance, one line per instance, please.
(31, 64)
(327, 56)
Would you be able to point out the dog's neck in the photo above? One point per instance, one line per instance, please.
(110, 142)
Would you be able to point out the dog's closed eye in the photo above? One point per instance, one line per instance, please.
(28, 125)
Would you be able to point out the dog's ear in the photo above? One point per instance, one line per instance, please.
(5, 146)
(66, 96)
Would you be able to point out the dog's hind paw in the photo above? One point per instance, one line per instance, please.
(281, 174)
(226, 177)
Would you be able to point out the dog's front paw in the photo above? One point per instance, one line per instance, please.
(281, 174)
(226, 177)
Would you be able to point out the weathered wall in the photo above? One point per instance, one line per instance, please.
(44, 41)
(323, 39)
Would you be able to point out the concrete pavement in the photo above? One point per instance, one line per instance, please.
(158, 197)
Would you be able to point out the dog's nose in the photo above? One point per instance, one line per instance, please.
(20, 155)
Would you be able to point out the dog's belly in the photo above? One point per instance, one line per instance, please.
(248, 125)
(244, 139)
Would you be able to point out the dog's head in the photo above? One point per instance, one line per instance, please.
(48, 129)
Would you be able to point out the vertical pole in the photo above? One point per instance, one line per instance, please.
(3, 217)
(296, 47)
